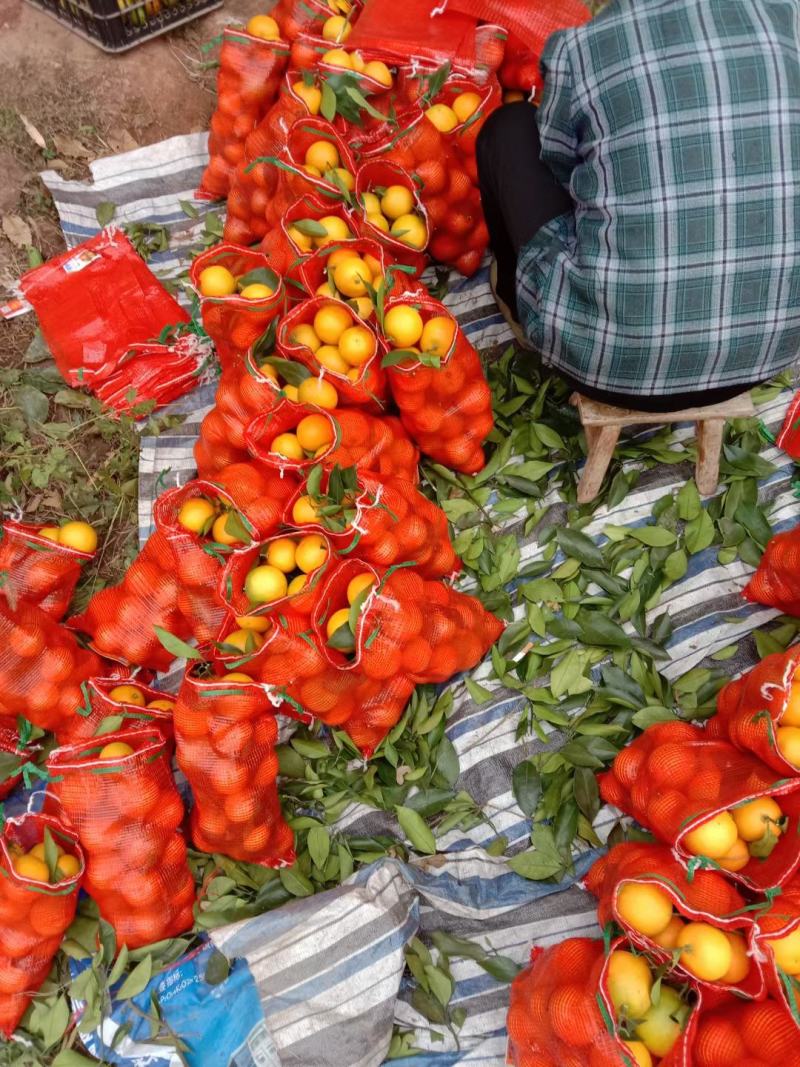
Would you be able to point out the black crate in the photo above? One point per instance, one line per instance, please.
(116, 25)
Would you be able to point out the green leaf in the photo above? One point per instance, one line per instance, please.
(292, 373)
(310, 227)
(120, 964)
(726, 653)
(55, 1023)
(188, 208)
(400, 355)
(675, 565)
(137, 980)
(526, 785)
(416, 830)
(599, 629)
(235, 527)
(766, 645)
(688, 501)
(105, 212)
(752, 518)
(259, 276)
(327, 106)
(343, 639)
(68, 1057)
(699, 533)
(535, 866)
(295, 882)
(32, 402)
(578, 546)
(174, 645)
(441, 985)
(654, 536)
(542, 590)
(217, 969)
(479, 693)
(319, 845)
(428, 1006)
(587, 794)
(50, 855)
(565, 673)
(501, 968)
(652, 714)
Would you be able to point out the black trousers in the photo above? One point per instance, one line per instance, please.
(520, 195)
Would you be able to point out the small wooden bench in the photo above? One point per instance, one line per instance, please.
(602, 424)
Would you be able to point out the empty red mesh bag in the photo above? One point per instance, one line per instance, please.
(789, 437)
(750, 1034)
(446, 409)
(295, 235)
(674, 777)
(225, 733)
(357, 440)
(362, 386)
(100, 714)
(13, 756)
(379, 174)
(42, 667)
(778, 919)
(233, 581)
(94, 302)
(250, 70)
(706, 897)
(36, 570)
(388, 521)
(561, 1015)
(776, 583)
(34, 915)
(233, 322)
(755, 710)
(126, 812)
(152, 375)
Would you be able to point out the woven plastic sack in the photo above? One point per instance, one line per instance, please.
(561, 1015)
(126, 812)
(379, 173)
(232, 322)
(446, 409)
(673, 778)
(33, 915)
(751, 709)
(388, 521)
(42, 667)
(100, 714)
(358, 440)
(740, 1034)
(232, 587)
(250, 70)
(94, 302)
(149, 376)
(225, 734)
(789, 437)
(280, 243)
(780, 918)
(707, 897)
(35, 570)
(776, 582)
(366, 389)
(13, 756)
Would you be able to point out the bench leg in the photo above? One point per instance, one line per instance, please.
(709, 447)
(601, 442)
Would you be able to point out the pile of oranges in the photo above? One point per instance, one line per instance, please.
(218, 281)
(288, 565)
(338, 342)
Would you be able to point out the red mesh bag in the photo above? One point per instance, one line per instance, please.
(250, 70)
(754, 709)
(398, 278)
(233, 323)
(42, 667)
(296, 17)
(13, 756)
(745, 1035)
(36, 570)
(397, 32)
(126, 812)
(225, 734)
(389, 521)
(100, 714)
(561, 1014)
(707, 897)
(781, 919)
(234, 575)
(673, 778)
(358, 440)
(298, 224)
(34, 915)
(366, 388)
(152, 375)
(789, 437)
(776, 582)
(379, 173)
(446, 409)
(94, 302)
(520, 68)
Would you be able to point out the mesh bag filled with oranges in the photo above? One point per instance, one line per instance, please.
(225, 733)
(251, 64)
(776, 582)
(309, 223)
(112, 704)
(778, 944)
(392, 212)
(41, 565)
(760, 712)
(119, 794)
(701, 924)
(14, 754)
(42, 667)
(753, 1034)
(372, 270)
(296, 17)
(437, 381)
(240, 295)
(41, 867)
(578, 1005)
(715, 805)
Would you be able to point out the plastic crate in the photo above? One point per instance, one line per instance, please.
(117, 25)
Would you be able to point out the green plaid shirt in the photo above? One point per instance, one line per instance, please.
(676, 126)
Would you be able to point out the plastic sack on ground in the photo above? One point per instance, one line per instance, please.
(13, 756)
(444, 399)
(352, 438)
(707, 897)
(778, 933)
(234, 322)
(152, 375)
(250, 70)
(673, 778)
(776, 582)
(760, 712)
(225, 733)
(135, 706)
(561, 1013)
(38, 571)
(745, 1035)
(94, 302)
(34, 912)
(42, 667)
(126, 812)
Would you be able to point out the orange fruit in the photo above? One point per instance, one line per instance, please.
(246, 641)
(336, 229)
(707, 952)
(312, 552)
(256, 291)
(329, 357)
(640, 1052)
(297, 585)
(337, 57)
(737, 858)
(219, 531)
(644, 907)
(310, 95)
(668, 938)
(345, 178)
(127, 694)
(326, 289)
(318, 392)
(304, 510)
(115, 750)
(281, 554)
(264, 584)
(78, 535)
(786, 951)
(629, 983)
(442, 117)
(314, 432)
(264, 26)
(740, 961)
(756, 816)
(357, 61)
(161, 705)
(410, 229)
(291, 393)
(379, 73)
(288, 446)
(195, 514)
(788, 741)
(337, 620)
(68, 867)
(32, 867)
(236, 676)
(351, 276)
(330, 322)
(356, 346)
(304, 335)
(300, 239)
(713, 838)
(465, 105)
(256, 623)
(217, 281)
(375, 218)
(403, 325)
(336, 28)
(397, 201)
(371, 203)
(437, 335)
(357, 585)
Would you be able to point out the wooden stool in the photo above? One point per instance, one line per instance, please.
(602, 424)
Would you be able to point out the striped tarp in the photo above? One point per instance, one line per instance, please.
(329, 968)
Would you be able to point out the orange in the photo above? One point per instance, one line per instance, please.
(31, 867)
(336, 28)
(330, 322)
(786, 951)
(644, 907)
(315, 172)
(297, 584)
(313, 432)
(236, 676)
(318, 392)
(301, 240)
(629, 983)
(338, 254)
(219, 531)
(326, 289)
(217, 281)
(356, 346)
(403, 325)
(304, 335)
(337, 620)
(310, 95)
(281, 554)
(379, 72)
(244, 640)
(115, 750)
(255, 623)
(410, 229)
(78, 535)
(68, 867)
(291, 393)
(363, 307)
(336, 229)
(437, 336)
(161, 705)
(465, 105)
(49, 532)
(345, 178)
(375, 218)
(668, 938)
(337, 57)
(264, 584)
(713, 838)
(791, 712)
(265, 27)
(737, 858)
(357, 61)
(640, 1052)
(662, 1023)
(311, 553)
(351, 276)
(330, 358)
(397, 201)
(195, 514)
(707, 952)
(256, 292)
(753, 818)
(288, 446)
(374, 266)
(357, 585)
(371, 203)
(127, 694)
(740, 961)
(788, 741)
(442, 117)
(304, 510)
(269, 372)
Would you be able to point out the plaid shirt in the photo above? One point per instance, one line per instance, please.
(676, 126)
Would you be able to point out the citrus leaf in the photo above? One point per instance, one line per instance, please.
(534, 866)
(68, 1057)
(416, 830)
(577, 545)
(319, 845)
(441, 985)
(137, 980)
(118, 969)
(291, 372)
(174, 645)
(526, 785)
(259, 276)
(654, 536)
(105, 212)
(217, 969)
(295, 882)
